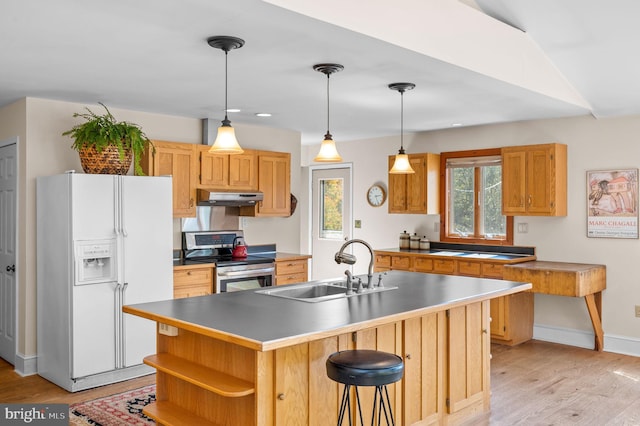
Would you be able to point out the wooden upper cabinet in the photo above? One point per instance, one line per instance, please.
(274, 181)
(534, 179)
(179, 161)
(228, 172)
(417, 192)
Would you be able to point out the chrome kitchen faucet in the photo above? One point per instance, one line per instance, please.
(350, 259)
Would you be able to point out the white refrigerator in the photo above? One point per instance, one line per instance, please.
(103, 241)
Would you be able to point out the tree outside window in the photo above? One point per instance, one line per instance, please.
(331, 197)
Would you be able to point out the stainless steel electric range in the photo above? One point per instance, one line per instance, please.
(231, 273)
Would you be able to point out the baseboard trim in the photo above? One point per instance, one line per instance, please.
(585, 339)
(26, 365)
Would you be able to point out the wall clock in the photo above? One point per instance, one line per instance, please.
(376, 195)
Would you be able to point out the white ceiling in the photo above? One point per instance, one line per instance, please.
(554, 59)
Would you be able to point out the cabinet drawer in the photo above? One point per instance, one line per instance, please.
(469, 268)
(291, 278)
(192, 276)
(383, 261)
(420, 264)
(492, 270)
(291, 267)
(444, 266)
(401, 262)
(191, 290)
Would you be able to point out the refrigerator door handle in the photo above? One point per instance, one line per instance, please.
(116, 207)
(117, 320)
(123, 335)
(123, 225)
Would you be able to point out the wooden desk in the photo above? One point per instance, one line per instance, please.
(566, 279)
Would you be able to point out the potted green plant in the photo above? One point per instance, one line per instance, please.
(107, 146)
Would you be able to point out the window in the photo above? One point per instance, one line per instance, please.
(473, 198)
(331, 196)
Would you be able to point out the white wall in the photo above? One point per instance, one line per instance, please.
(593, 144)
(42, 150)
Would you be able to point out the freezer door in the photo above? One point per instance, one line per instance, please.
(93, 329)
(147, 257)
(93, 200)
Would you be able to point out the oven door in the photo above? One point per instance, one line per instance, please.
(244, 277)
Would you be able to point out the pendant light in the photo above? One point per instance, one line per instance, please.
(328, 152)
(226, 142)
(401, 165)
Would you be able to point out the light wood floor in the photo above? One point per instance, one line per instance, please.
(17, 389)
(536, 383)
(539, 383)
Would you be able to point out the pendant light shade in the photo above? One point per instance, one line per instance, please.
(226, 142)
(328, 152)
(401, 165)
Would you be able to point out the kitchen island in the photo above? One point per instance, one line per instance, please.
(249, 358)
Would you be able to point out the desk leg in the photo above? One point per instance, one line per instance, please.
(594, 306)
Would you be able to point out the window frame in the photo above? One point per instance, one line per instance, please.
(444, 201)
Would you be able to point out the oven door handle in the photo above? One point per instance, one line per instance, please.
(247, 273)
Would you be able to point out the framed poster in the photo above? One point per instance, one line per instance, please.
(612, 203)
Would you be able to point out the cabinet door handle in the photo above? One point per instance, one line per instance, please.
(529, 201)
(408, 356)
(281, 396)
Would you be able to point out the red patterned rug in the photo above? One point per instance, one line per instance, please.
(123, 409)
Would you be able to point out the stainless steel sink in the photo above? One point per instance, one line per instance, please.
(318, 291)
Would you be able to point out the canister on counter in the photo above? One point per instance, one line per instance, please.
(414, 242)
(424, 243)
(404, 240)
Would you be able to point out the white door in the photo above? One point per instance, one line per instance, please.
(331, 208)
(8, 180)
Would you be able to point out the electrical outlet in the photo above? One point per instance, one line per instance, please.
(167, 330)
(523, 228)
(358, 223)
(638, 311)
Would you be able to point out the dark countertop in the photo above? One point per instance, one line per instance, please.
(470, 251)
(277, 256)
(264, 322)
(468, 255)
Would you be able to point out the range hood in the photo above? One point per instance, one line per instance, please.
(234, 199)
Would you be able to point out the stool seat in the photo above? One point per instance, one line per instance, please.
(364, 367)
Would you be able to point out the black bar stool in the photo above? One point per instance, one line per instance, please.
(364, 367)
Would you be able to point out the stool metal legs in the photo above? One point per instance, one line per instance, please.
(384, 405)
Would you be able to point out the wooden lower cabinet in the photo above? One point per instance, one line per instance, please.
(424, 387)
(511, 316)
(291, 271)
(512, 319)
(468, 367)
(469, 268)
(192, 281)
(446, 378)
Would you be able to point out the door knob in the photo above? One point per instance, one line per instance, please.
(11, 268)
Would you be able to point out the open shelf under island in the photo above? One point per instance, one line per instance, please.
(248, 358)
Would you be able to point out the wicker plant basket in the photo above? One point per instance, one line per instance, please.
(107, 162)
